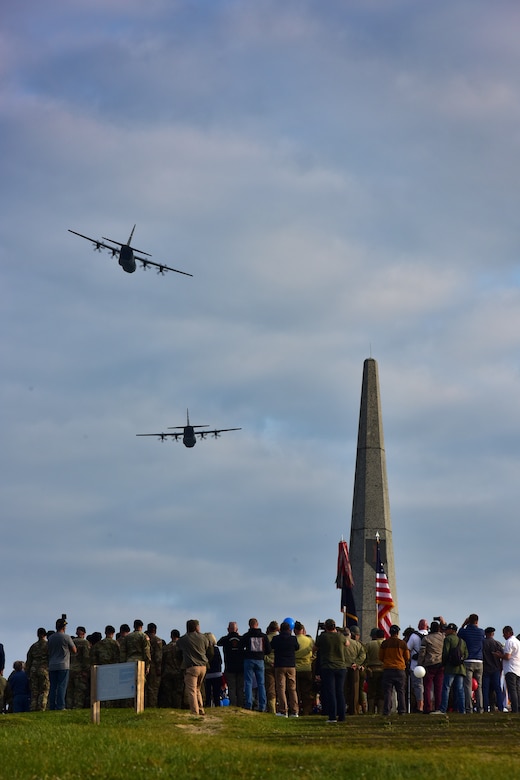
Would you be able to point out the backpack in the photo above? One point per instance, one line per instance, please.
(455, 654)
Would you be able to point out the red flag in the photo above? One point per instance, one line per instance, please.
(344, 577)
(384, 600)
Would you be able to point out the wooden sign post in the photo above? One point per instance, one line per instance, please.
(116, 681)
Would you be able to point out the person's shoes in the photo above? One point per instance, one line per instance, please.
(294, 715)
(437, 712)
(332, 721)
(281, 714)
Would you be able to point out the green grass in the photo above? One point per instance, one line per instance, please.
(234, 743)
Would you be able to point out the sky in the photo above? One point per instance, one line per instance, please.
(341, 179)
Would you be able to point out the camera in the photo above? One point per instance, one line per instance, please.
(438, 619)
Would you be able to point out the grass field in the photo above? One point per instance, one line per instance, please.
(232, 743)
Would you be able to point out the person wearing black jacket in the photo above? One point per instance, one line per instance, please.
(284, 646)
(255, 645)
(234, 664)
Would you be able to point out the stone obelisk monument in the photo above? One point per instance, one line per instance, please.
(370, 507)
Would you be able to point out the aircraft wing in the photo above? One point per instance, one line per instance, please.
(215, 433)
(97, 244)
(160, 266)
(162, 436)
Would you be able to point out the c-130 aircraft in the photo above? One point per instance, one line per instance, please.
(189, 434)
(127, 255)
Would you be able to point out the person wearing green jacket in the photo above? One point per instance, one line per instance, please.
(454, 670)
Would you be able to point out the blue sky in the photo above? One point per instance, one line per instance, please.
(342, 181)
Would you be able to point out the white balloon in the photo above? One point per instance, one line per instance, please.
(419, 671)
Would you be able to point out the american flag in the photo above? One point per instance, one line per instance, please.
(345, 581)
(384, 600)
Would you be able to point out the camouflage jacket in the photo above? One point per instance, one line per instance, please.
(80, 661)
(37, 657)
(136, 647)
(106, 651)
(156, 653)
(171, 663)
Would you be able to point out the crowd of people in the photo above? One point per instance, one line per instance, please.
(282, 671)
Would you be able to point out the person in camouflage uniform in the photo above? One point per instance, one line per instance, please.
(78, 691)
(124, 631)
(106, 651)
(355, 656)
(3, 686)
(171, 692)
(136, 646)
(153, 681)
(37, 668)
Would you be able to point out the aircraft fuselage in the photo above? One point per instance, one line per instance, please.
(127, 259)
(189, 439)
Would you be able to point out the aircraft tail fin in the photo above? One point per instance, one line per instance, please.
(131, 236)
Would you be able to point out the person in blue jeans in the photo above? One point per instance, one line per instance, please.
(492, 671)
(60, 647)
(255, 646)
(474, 638)
(454, 674)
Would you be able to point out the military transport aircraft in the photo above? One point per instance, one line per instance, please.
(127, 255)
(189, 433)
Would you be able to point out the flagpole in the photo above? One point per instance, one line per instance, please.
(377, 558)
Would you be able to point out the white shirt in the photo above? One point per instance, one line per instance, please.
(414, 645)
(512, 664)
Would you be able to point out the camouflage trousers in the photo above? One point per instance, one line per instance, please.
(151, 690)
(78, 693)
(171, 692)
(40, 686)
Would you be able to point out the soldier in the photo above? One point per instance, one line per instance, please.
(374, 668)
(136, 646)
(153, 681)
(124, 632)
(356, 655)
(37, 668)
(3, 686)
(79, 678)
(106, 651)
(172, 676)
